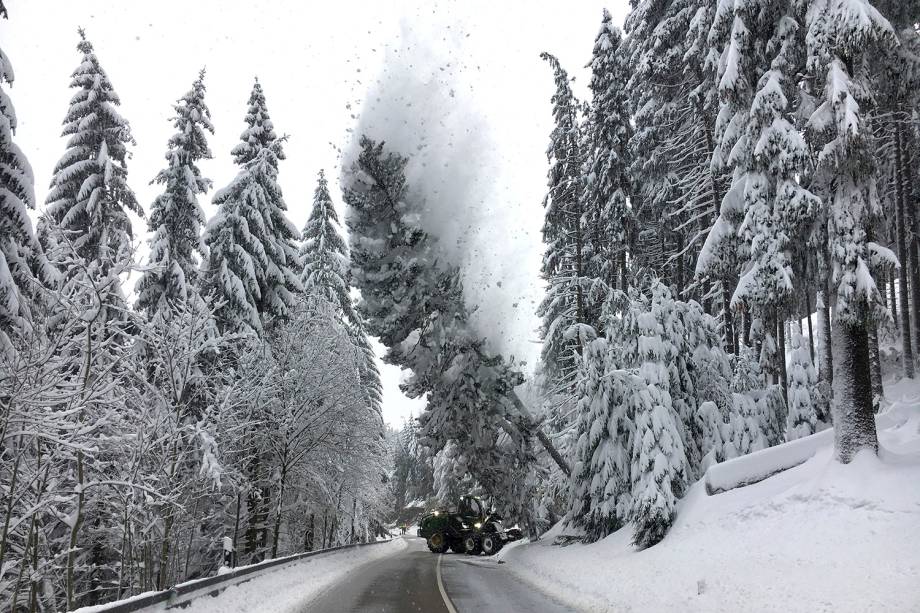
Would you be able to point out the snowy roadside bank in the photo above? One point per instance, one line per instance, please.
(288, 589)
(817, 537)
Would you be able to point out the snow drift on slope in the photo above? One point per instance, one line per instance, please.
(819, 537)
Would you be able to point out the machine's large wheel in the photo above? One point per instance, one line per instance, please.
(437, 542)
(491, 543)
(471, 544)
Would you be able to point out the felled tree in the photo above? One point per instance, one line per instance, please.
(414, 304)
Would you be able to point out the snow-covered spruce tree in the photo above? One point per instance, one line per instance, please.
(324, 254)
(802, 419)
(841, 37)
(606, 185)
(20, 254)
(414, 304)
(176, 220)
(568, 301)
(253, 265)
(658, 464)
(325, 274)
(763, 53)
(90, 198)
(895, 88)
(677, 192)
(608, 394)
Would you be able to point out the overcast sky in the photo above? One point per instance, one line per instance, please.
(317, 62)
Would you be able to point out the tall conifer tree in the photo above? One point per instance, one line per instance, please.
(177, 219)
(90, 198)
(20, 253)
(253, 266)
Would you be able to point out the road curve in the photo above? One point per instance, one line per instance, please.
(408, 582)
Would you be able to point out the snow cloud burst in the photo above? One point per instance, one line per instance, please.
(422, 105)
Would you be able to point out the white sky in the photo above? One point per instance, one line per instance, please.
(316, 61)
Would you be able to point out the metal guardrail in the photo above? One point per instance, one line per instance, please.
(181, 595)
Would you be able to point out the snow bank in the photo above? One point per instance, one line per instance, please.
(761, 464)
(820, 536)
(288, 589)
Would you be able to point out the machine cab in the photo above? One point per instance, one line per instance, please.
(470, 506)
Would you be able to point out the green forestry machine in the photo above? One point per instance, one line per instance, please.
(471, 530)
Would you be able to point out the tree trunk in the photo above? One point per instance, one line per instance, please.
(892, 299)
(308, 537)
(875, 364)
(74, 532)
(811, 332)
(907, 351)
(728, 325)
(781, 355)
(826, 355)
(854, 420)
(278, 510)
(541, 436)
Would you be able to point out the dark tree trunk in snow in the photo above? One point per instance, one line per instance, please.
(907, 354)
(308, 537)
(730, 342)
(826, 355)
(854, 419)
(811, 332)
(875, 366)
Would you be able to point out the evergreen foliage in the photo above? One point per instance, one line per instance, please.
(253, 267)
(176, 219)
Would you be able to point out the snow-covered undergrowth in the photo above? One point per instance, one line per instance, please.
(821, 536)
(289, 589)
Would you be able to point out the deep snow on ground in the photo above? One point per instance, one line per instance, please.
(818, 537)
(286, 590)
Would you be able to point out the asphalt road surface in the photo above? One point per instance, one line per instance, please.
(416, 580)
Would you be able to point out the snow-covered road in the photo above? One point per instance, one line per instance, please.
(408, 581)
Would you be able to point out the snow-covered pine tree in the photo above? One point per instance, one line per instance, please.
(324, 254)
(658, 465)
(841, 37)
(176, 220)
(600, 482)
(895, 87)
(606, 185)
(763, 53)
(253, 265)
(90, 198)
(325, 274)
(677, 191)
(567, 303)
(21, 256)
(802, 419)
(261, 131)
